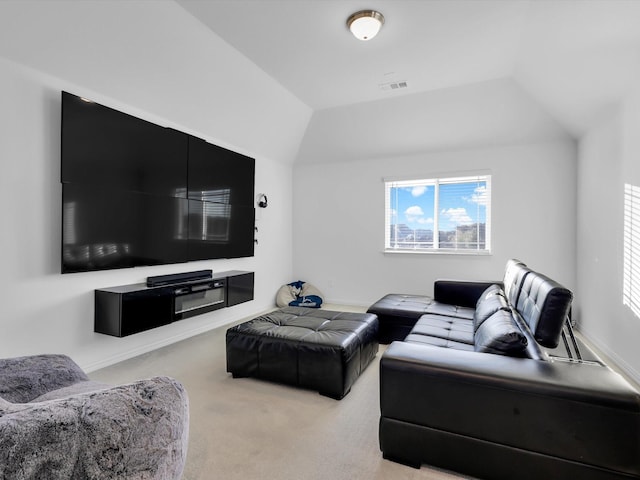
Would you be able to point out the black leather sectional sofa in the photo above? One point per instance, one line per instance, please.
(487, 383)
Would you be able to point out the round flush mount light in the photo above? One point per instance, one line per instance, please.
(365, 24)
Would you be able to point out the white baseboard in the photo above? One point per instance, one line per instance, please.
(149, 347)
(334, 301)
(620, 363)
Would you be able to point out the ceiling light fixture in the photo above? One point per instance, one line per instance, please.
(365, 24)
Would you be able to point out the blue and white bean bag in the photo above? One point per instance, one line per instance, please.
(299, 294)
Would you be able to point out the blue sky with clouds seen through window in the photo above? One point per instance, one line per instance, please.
(460, 204)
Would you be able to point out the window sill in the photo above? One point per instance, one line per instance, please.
(472, 253)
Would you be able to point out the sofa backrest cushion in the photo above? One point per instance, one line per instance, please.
(514, 275)
(500, 334)
(492, 300)
(490, 291)
(544, 305)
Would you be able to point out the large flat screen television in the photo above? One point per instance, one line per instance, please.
(135, 193)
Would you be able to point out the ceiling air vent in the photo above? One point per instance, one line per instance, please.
(393, 85)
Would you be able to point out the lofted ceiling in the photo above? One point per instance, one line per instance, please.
(574, 57)
(308, 48)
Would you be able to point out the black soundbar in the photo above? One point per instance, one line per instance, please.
(159, 280)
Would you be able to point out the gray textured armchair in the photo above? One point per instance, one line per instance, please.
(57, 424)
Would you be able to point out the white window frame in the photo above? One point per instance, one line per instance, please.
(631, 258)
(435, 181)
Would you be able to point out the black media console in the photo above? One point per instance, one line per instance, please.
(129, 309)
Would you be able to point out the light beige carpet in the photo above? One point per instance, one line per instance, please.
(252, 429)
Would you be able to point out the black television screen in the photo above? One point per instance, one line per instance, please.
(105, 147)
(218, 230)
(105, 228)
(226, 182)
(135, 193)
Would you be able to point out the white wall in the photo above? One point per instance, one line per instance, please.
(495, 112)
(153, 60)
(608, 158)
(339, 220)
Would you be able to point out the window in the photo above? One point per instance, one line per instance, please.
(447, 215)
(631, 267)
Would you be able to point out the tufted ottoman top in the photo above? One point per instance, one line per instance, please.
(321, 327)
(319, 349)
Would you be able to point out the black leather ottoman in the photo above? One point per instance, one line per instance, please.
(317, 349)
(397, 314)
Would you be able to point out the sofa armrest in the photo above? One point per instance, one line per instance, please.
(570, 410)
(460, 292)
(24, 378)
(128, 431)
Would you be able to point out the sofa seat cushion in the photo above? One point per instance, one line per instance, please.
(456, 311)
(438, 342)
(442, 331)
